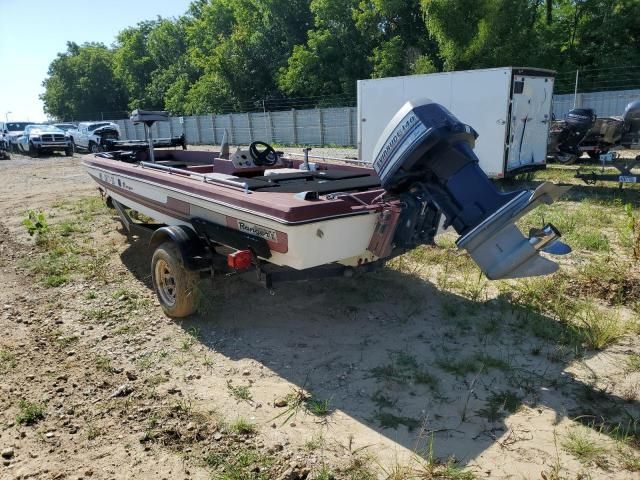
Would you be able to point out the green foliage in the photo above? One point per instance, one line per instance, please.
(82, 82)
(36, 223)
(29, 412)
(231, 55)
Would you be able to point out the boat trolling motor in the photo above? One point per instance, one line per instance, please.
(425, 158)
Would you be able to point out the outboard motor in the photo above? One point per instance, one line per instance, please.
(425, 158)
(631, 118)
(577, 125)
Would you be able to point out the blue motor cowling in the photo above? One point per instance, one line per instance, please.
(427, 150)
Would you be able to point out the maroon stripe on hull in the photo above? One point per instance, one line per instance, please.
(180, 210)
(147, 202)
(283, 207)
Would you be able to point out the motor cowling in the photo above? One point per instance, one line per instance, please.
(427, 152)
(631, 117)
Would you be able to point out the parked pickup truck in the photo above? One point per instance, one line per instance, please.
(93, 136)
(37, 139)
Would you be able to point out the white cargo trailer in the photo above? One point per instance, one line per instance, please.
(509, 107)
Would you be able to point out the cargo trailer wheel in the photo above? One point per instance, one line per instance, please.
(174, 285)
(566, 158)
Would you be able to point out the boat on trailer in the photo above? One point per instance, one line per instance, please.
(289, 219)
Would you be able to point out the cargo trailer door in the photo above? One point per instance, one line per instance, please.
(529, 123)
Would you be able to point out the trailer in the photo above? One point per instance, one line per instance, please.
(509, 107)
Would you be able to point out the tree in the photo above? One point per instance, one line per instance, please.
(484, 33)
(240, 45)
(334, 56)
(81, 83)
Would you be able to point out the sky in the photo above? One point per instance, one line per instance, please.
(33, 32)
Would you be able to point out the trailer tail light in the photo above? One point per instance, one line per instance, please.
(239, 260)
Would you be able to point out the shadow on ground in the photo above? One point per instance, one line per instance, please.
(393, 352)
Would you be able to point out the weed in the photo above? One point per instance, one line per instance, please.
(324, 474)
(65, 341)
(186, 344)
(146, 361)
(241, 465)
(30, 413)
(241, 392)
(579, 444)
(103, 364)
(156, 380)
(127, 330)
(500, 404)
(242, 426)
(93, 432)
(320, 408)
(296, 400)
(381, 400)
(195, 333)
(630, 461)
(91, 295)
(592, 240)
(97, 265)
(474, 364)
(97, 314)
(633, 226)
(389, 420)
(53, 281)
(7, 361)
(316, 442)
(633, 362)
(404, 368)
(36, 224)
(600, 328)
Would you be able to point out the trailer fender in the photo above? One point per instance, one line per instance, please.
(195, 255)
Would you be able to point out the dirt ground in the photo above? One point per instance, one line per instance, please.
(394, 375)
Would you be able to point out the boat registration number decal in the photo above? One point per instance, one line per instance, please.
(627, 179)
(258, 230)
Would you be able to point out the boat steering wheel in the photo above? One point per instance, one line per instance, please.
(266, 157)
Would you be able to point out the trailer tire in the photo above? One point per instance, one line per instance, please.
(566, 159)
(174, 285)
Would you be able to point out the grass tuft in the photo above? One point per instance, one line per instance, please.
(581, 445)
(30, 412)
(243, 426)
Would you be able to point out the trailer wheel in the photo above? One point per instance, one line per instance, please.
(566, 158)
(174, 285)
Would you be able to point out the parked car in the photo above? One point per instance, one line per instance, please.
(65, 126)
(93, 136)
(11, 131)
(37, 139)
